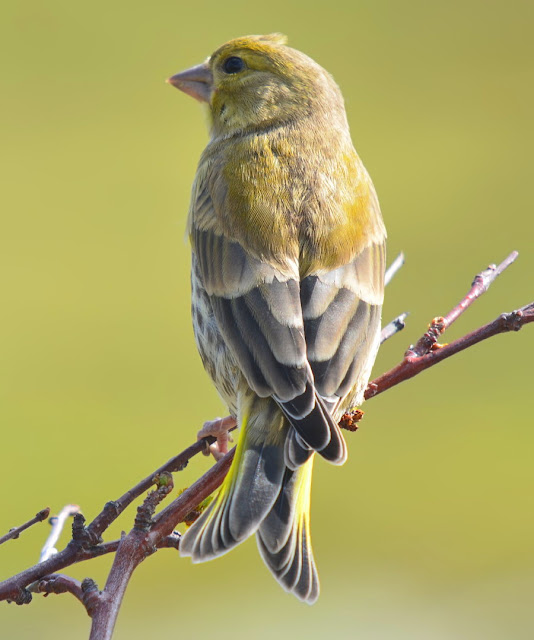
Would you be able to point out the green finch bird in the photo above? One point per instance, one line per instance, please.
(288, 250)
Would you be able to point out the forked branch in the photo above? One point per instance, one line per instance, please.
(151, 532)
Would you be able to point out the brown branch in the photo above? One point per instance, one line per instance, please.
(480, 285)
(113, 509)
(58, 583)
(412, 365)
(151, 532)
(84, 544)
(66, 559)
(133, 549)
(14, 533)
(85, 592)
(171, 541)
(14, 589)
(142, 541)
(174, 513)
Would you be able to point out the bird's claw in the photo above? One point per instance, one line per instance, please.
(217, 428)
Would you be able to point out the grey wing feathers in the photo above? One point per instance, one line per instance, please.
(296, 451)
(306, 343)
(308, 434)
(258, 311)
(341, 311)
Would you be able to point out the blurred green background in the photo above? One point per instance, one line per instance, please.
(428, 530)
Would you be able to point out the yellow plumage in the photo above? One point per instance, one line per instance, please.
(287, 287)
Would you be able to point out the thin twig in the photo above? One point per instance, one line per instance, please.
(397, 324)
(14, 533)
(58, 583)
(480, 285)
(58, 522)
(171, 541)
(412, 365)
(113, 509)
(84, 546)
(393, 327)
(393, 268)
(176, 511)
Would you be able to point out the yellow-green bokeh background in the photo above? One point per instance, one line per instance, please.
(428, 531)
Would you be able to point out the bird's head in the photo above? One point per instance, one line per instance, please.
(255, 82)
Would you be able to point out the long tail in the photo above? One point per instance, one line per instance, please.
(284, 536)
(246, 496)
(262, 495)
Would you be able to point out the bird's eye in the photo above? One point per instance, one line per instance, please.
(233, 64)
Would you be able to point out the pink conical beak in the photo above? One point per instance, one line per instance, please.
(196, 82)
